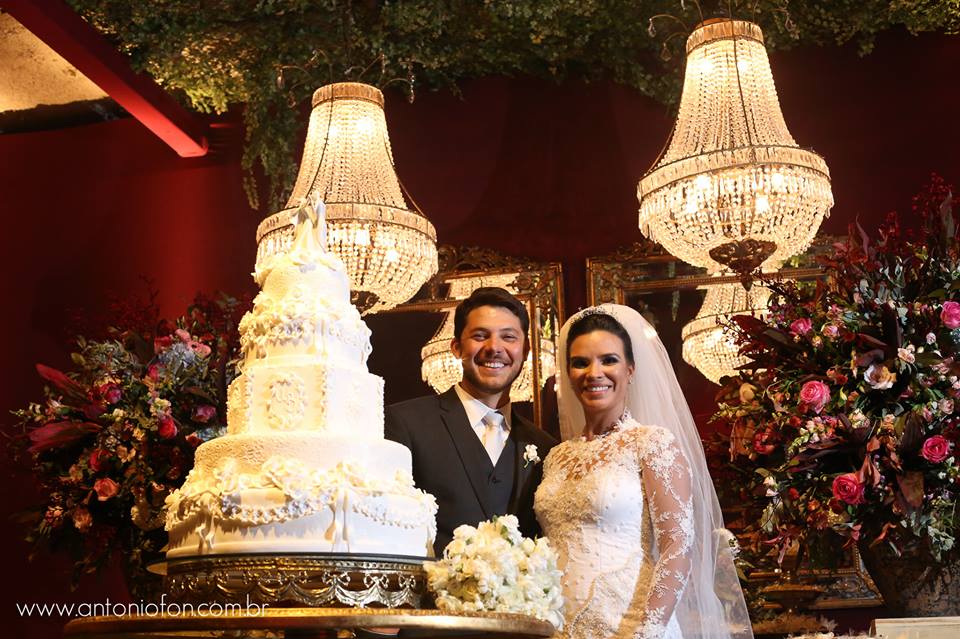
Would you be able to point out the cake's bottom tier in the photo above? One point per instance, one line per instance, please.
(365, 524)
(275, 498)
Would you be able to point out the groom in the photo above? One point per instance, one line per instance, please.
(468, 446)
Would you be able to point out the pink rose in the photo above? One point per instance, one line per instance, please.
(830, 330)
(183, 335)
(950, 315)
(168, 428)
(105, 488)
(847, 488)
(815, 395)
(201, 349)
(204, 413)
(801, 326)
(936, 449)
(98, 459)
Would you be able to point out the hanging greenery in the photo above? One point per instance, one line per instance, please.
(270, 55)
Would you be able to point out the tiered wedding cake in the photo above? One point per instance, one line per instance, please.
(304, 466)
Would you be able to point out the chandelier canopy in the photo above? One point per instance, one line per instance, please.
(441, 369)
(707, 343)
(732, 190)
(388, 248)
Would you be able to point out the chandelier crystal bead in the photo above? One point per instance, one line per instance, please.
(388, 248)
(732, 190)
(708, 344)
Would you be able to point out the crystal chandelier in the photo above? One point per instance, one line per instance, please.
(732, 190)
(441, 369)
(707, 343)
(389, 249)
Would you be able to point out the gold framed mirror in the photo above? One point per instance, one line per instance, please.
(411, 342)
(685, 304)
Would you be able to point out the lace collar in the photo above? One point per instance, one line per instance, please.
(624, 422)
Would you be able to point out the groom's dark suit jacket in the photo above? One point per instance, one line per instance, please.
(450, 463)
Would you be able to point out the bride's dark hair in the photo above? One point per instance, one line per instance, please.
(591, 322)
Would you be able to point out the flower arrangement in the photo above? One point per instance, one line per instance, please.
(493, 567)
(115, 435)
(846, 422)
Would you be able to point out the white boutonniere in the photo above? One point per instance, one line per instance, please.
(530, 455)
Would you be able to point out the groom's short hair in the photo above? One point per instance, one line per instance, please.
(489, 296)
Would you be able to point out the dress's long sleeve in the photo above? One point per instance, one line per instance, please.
(666, 484)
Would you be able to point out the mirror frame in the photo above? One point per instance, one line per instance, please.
(539, 285)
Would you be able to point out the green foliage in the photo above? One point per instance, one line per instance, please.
(219, 53)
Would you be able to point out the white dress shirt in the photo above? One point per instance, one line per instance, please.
(477, 413)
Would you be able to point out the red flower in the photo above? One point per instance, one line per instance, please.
(193, 439)
(815, 395)
(847, 488)
(98, 459)
(793, 494)
(936, 449)
(168, 428)
(153, 372)
(204, 413)
(762, 442)
(109, 392)
(105, 488)
(161, 343)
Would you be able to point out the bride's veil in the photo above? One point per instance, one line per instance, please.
(713, 591)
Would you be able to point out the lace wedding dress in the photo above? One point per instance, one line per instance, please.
(618, 510)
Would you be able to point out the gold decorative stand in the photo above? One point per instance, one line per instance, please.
(308, 580)
(308, 623)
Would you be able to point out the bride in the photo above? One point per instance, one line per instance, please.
(626, 498)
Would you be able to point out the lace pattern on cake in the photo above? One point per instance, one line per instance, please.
(631, 490)
(287, 403)
(219, 493)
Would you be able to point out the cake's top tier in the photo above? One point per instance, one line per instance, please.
(303, 310)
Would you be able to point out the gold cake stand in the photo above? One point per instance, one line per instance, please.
(309, 623)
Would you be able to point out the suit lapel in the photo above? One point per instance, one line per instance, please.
(473, 457)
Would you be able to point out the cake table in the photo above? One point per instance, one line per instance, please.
(309, 623)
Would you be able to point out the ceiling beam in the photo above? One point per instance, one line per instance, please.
(64, 31)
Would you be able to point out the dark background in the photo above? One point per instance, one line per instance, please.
(521, 166)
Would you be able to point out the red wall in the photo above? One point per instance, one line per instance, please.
(522, 166)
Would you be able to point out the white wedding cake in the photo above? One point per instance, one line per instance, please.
(304, 466)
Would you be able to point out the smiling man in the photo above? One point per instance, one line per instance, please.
(467, 444)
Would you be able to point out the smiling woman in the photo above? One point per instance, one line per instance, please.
(601, 368)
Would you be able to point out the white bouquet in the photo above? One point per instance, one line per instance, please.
(493, 567)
